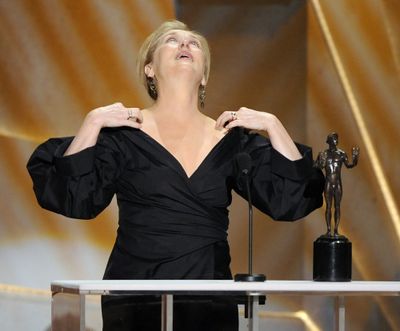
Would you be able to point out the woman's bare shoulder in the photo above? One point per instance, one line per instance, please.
(215, 133)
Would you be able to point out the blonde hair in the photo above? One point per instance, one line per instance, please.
(151, 43)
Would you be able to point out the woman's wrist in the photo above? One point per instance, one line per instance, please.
(93, 120)
(87, 134)
(280, 138)
(271, 122)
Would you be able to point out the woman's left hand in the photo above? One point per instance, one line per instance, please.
(257, 120)
(246, 118)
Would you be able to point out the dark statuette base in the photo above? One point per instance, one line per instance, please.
(332, 259)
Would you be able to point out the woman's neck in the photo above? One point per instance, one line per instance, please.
(179, 99)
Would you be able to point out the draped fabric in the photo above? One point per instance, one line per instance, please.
(164, 214)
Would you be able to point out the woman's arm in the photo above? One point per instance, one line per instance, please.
(108, 116)
(256, 120)
(281, 188)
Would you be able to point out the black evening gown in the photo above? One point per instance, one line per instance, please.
(171, 226)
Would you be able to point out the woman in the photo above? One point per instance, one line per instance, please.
(173, 169)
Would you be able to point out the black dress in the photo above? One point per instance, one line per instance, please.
(171, 226)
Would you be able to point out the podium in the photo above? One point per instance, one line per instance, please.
(68, 297)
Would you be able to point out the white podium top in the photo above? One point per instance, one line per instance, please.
(226, 287)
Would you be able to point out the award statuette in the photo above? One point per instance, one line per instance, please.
(332, 251)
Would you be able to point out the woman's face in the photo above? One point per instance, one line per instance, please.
(178, 52)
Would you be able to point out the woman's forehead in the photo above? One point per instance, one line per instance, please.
(180, 32)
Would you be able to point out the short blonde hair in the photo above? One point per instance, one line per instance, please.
(151, 43)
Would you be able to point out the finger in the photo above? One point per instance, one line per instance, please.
(225, 118)
(134, 119)
(233, 124)
(232, 117)
(132, 123)
(138, 114)
(220, 121)
(134, 114)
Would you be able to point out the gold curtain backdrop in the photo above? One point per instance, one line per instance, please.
(319, 65)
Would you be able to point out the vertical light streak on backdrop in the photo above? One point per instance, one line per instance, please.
(370, 147)
(389, 19)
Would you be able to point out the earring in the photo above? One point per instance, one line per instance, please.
(152, 88)
(202, 95)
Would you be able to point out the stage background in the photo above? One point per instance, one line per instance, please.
(320, 66)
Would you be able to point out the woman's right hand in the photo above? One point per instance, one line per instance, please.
(108, 116)
(115, 115)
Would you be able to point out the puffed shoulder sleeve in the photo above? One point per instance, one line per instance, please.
(80, 185)
(283, 189)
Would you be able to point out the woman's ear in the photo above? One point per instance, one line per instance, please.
(148, 70)
(203, 81)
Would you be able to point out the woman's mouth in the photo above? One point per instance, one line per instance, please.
(184, 56)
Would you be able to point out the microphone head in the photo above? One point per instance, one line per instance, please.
(243, 163)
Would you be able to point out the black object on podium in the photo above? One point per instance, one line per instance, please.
(332, 251)
(332, 259)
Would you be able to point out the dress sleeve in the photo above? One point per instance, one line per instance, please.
(80, 185)
(283, 189)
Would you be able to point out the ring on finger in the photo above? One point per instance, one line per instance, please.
(233, 116)
(129, 114)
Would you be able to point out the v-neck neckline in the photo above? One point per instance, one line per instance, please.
(177, 162)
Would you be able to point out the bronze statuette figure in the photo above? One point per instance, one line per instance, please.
(331, 161)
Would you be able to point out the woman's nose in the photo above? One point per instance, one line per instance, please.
(184, 43)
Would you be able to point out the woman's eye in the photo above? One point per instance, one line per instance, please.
(171, 39)
(195, 43)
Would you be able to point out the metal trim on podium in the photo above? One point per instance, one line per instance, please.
(68, 297)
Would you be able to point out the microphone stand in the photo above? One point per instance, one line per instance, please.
(250, 277)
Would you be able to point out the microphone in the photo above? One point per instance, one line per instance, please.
(243, 170)
(243, 163)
